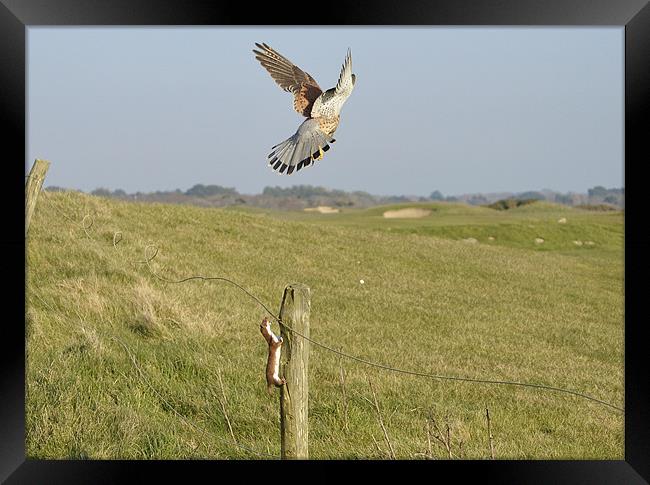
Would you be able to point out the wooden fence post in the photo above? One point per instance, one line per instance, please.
(294, 395)
(33, 187)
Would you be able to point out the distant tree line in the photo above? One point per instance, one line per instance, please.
(302, 196)
(295, 198)
(594, 196)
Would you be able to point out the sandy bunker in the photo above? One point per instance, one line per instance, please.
(411, 213)
(323, 209)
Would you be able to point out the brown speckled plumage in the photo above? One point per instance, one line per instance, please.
(328, 125)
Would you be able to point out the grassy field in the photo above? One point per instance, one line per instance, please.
(123, 365)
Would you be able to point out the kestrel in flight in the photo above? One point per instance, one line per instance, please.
(322, 110)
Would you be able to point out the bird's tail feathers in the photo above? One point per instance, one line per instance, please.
(301, 150)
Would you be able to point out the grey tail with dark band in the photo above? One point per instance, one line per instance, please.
(301, 150)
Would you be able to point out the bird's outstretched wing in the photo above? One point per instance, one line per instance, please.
(346, 78)
(289, 77)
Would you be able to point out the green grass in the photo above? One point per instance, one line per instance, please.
(507, 308)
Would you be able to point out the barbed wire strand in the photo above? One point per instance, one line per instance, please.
(148, 260)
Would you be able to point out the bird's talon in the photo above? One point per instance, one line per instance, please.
(320, 153)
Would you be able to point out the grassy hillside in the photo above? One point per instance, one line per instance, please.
(123, 365)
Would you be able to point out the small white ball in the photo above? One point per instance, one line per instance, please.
(361, 281)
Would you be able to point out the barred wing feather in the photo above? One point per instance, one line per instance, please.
(346, 78)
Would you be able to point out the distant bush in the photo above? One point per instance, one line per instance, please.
(599, 195)
(505, 204)
(101, 192)
(598, 191)
(566, 199)
(302, 192)
(531, 195)
(597, 207)
(56, 188)
(477, 200)
(200, 190)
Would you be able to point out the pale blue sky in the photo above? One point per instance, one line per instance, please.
(454, 109)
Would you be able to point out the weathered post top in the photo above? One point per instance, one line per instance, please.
(33, 187)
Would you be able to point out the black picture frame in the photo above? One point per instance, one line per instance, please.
(634, 15)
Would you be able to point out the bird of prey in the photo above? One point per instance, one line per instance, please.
(322, 110)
